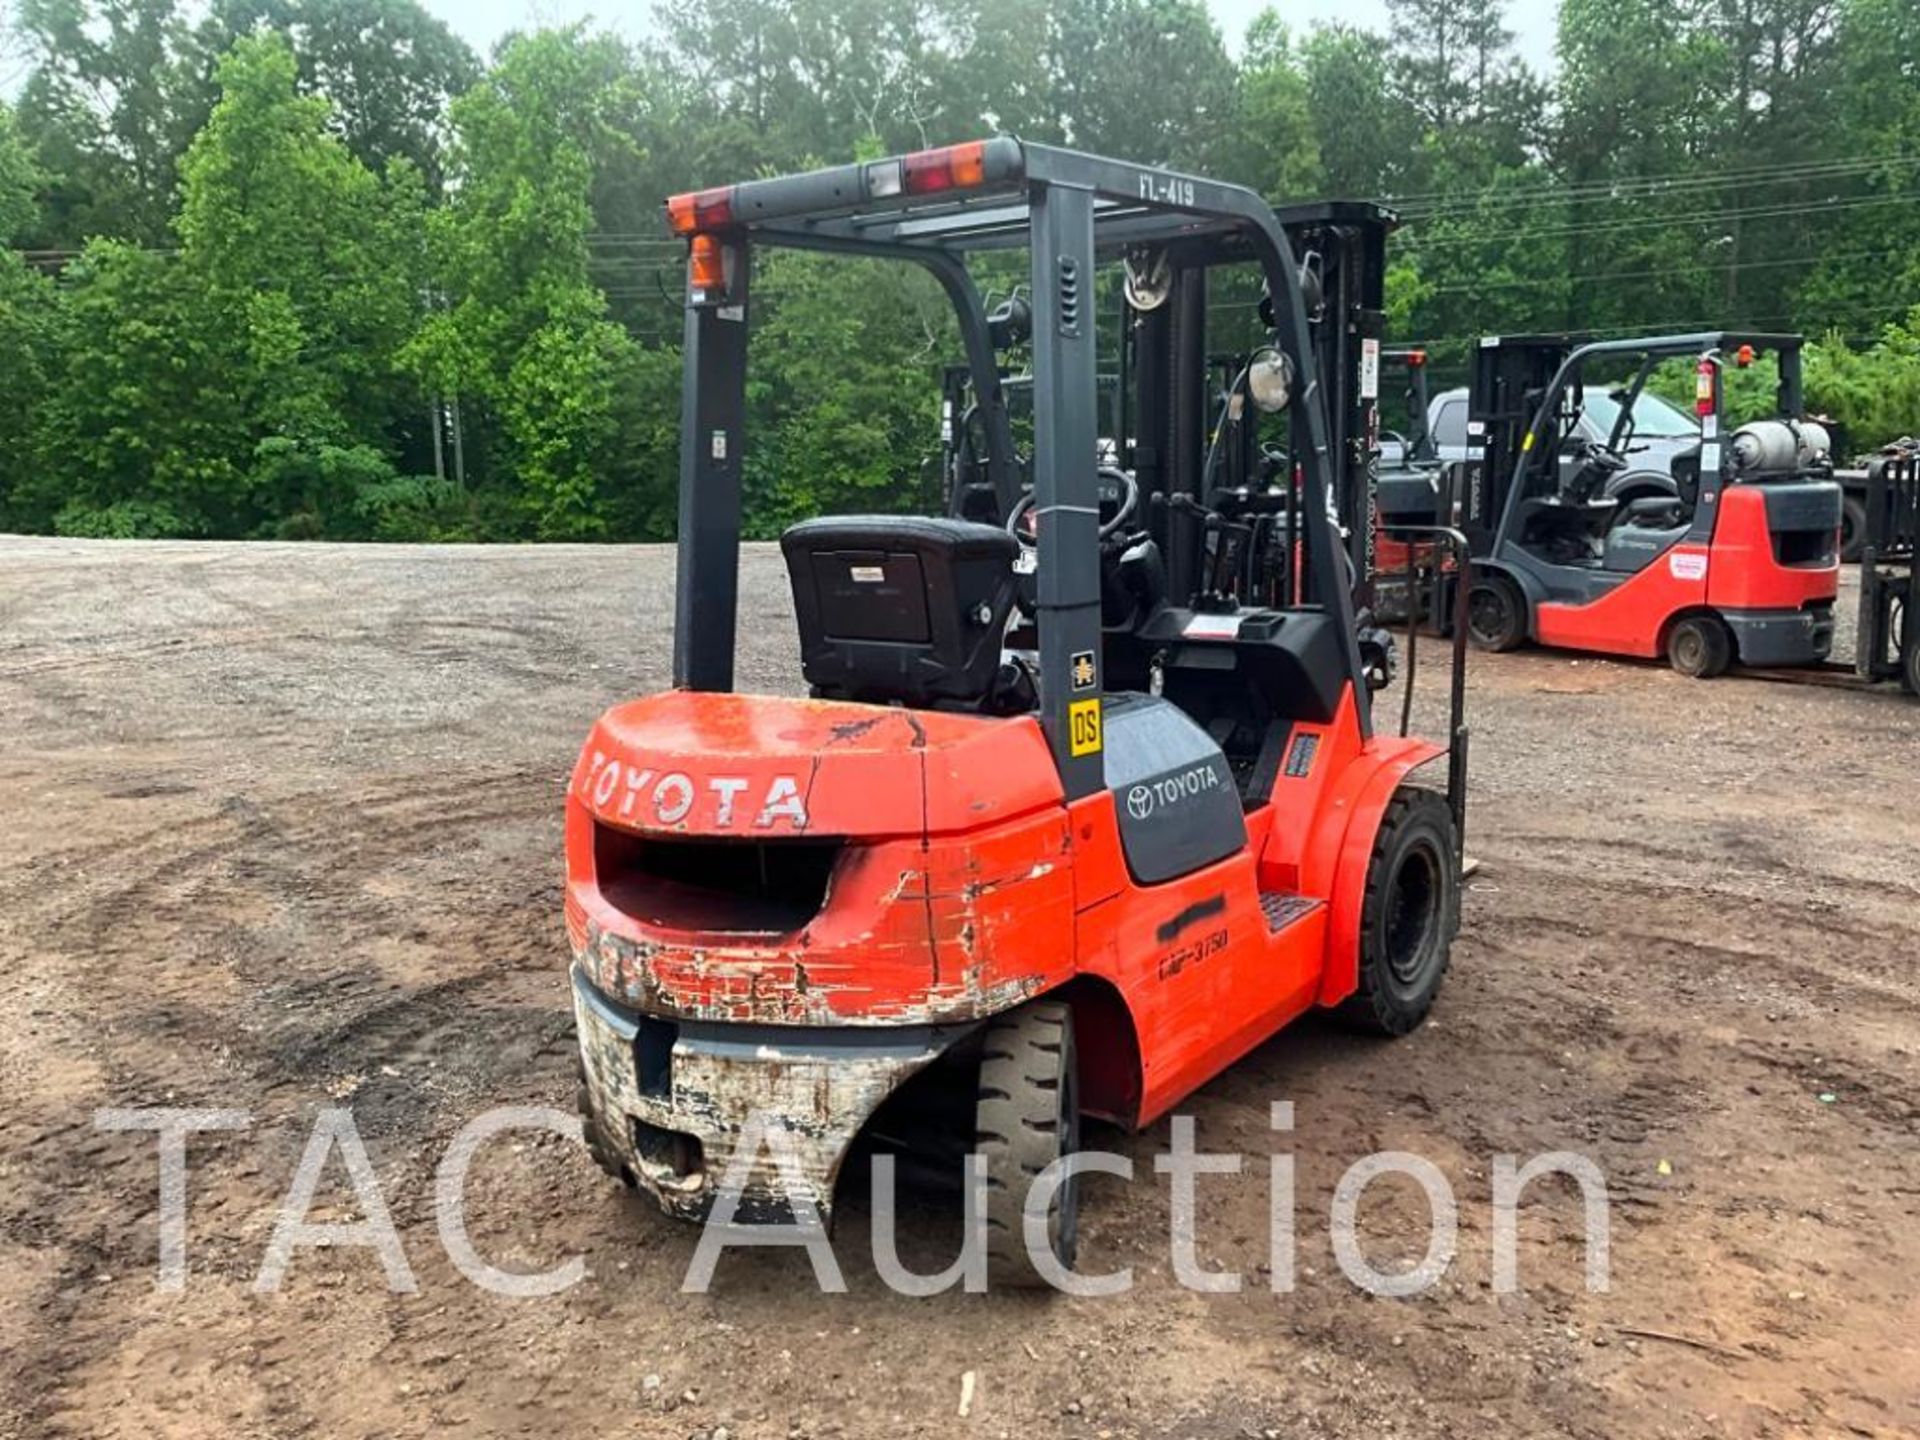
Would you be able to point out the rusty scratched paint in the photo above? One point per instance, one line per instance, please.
(820, 1099)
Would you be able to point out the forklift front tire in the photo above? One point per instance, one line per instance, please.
(1853, 529)
(1700, 647)
(1026, 1117)
(1408, 916)
(1496, 612)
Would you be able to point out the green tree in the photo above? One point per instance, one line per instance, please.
(388, 68)
(1364, 132)
(525, 331)
(304, 258)
(1274, 143)
(20, 179)
(1144, 80)
(138, 429)
(1869, 270)
(118, 89)
(27, 317)
(843, 387)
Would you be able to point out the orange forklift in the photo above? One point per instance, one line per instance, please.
(1061, 827)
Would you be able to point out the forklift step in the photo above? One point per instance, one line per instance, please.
(1283, 907)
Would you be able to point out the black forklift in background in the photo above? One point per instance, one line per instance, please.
(1887, 640)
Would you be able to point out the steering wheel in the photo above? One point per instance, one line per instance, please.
(1119, 497)
(1598, 464)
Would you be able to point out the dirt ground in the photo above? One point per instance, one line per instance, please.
(282, 831)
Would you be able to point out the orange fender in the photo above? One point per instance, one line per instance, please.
(1343, 842)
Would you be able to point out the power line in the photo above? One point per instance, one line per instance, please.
(1539, 283)
(1859, 311)
(1674, 180)
(1701, 217)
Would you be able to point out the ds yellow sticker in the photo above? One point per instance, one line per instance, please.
(1083, 727)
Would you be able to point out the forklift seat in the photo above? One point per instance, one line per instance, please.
(902, 609)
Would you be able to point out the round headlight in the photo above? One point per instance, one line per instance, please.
(1270, 379)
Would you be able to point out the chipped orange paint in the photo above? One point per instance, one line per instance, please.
(938, 914)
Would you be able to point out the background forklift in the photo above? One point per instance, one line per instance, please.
(1065, 827)
(1887, 638)
(1740, 564)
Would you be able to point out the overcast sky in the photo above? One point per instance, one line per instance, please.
(484, 21)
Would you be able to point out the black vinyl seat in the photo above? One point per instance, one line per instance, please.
(1658, 512)
(902, 608)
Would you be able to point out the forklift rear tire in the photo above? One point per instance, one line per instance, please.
(1026, 1117)
(597, 1146)
(1408, 916)
(1496, 613)
(1700, 647)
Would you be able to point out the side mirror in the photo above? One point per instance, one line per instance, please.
(1270, 378)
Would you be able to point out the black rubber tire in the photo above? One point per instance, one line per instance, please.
(1408, 916)
(1700, 647)
(1026, 1116)
(597, 1146)
(1910, 669)
(1853, 529)
(1496, 613)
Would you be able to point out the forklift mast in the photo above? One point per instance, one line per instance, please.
(1510, 375)
(1407, 369)
(1342, 245)
(1176, 378)
(1887, 638)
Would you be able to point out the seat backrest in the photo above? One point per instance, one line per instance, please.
(900, 607)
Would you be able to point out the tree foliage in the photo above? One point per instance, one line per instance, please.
(309, 268)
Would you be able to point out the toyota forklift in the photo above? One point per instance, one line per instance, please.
(1732, 555)
(1059, 829)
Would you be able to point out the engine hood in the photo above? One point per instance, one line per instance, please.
(759, 766)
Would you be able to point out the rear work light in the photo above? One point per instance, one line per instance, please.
(954, 167)
(700, 210)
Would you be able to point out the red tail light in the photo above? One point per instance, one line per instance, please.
(700, 210)
(955, 167)
(1703, 381)
(1416, 358)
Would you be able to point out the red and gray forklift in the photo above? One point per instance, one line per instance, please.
(1070, 818)
(1736, 559)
